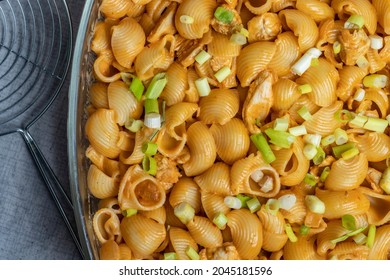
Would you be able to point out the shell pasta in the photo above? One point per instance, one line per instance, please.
(240, 130)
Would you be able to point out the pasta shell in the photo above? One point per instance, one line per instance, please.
(204, 232)
(202, 13)
(220, 106)
(381, 247)
(111, 203)
(164, 25)
(323, 80)
(177, 115)
(253, 59)
(203, 153)
(101, 37)
(168, 145)
(264, 27)
(382, 8)
(213, 204)
(303, 100)
(347, 174)
(221, 46)
(339, 203)
(139, 190)
(297, 213)
(350, 77)
(142, 235)
(376, 146)
(215, 180)
(159, 214)
(186, 190)
(174, 91)
(115, 8)
(171, 219)
(303, 26)
(349, 251)
(316, 9)
(379, 211)
(302, 249)
(242, 171)
(123, 102)
(285, 94)
(127, 41)
(231, 139)
(103, 132)
(136, 155)
(247, 233)
(259, 7)
(106, 226)
(109, 251)
(101, 185)
(180, 240)
(98, 95)
(333, 230)
(103, 68)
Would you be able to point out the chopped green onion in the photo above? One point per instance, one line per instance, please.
(339, 239)
(304, 113)
(223, 15)
(281, 124)
(314, 139)
(304, 62)
(354, 22)
(290, 233)
(222, 73)
(371, 236)
(155, 132)
(184, 212)
(376, 124)
(314, 52)
(348, 221)
(203, 87)
(298, 130)
(192, 254)
(319, 157)
(324, 174)
(338, 150)
(134, 125)
(149, 165)
(314, 61)
(336, 47)
(149, 148)
(152, 120)
(156, 86)
(362, 62)
(163, 105)
(151, 106)
(309, 151)
(360, 238)
(306, 88)
(186, 19)
(314, 204)
(384, 182)
(343, 116)
(287, 201)
(220, 220)
(304, 230)
(272, 206)
(129, 212)
(341, 136)
(358, 121)
(376, 42)
(375, 80)
(349, 234)
(244, 32)
(202, 57)
(359, 95)
(170, 256)
(232, 202)
(244, 198)
(261, 144)
(238, 39)
(349, 154)
(281, 139)
(253, 204)
(137, 88)
(310, 179)
(327, 140)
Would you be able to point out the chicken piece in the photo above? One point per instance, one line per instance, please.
(373, 177)
(353, 45)
(187, 50)
(167, 171)
(226, 252)
(264, 27)
(228, 28)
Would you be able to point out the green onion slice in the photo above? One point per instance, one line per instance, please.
(156, 86)
(134, 125)
(306, 88)
(354, 22)
(261, 144)
(186, 19)
(203, 86)
(149, 164)
(384, 182)
(137, 88)
(243, 198)
(304, 113)
(339, 150)
(220, 220)
(222, 73)
(324, 174)
(232, 202)
(349, 234)
(310, 179)
(320, 156)
(151, 106)
(327, 140)
(348, 221)
(371, 236)
(272, 206)
(192, 254)
(314, 204)
(349, 154)
(170, 256)
(336, 47)
(202, 57)
(238, 39)
(343, 116)
(298, 130)
(341, 136)
(253, 205)
(304, 230)
(360, 238)
(376, 124)
(184, 212)
(281, 139)
(358, 121)
(223, 15)
(149, 148)
(129, 212)
(375, 80)
(290, 233)
(309, 151)
(281, 124)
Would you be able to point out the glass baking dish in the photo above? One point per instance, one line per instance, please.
(81, 79)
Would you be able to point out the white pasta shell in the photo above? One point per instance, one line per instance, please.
(216, 179)
(106, 225)
(101, 185)
(204, 232)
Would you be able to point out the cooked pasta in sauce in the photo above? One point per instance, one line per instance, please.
(236, 129)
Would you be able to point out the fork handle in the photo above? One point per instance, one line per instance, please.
(57, 192)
